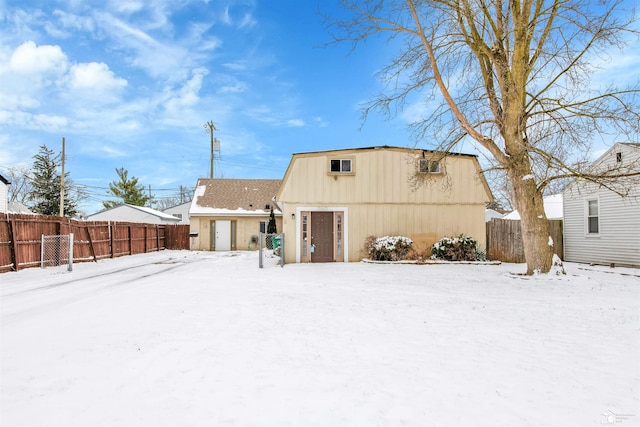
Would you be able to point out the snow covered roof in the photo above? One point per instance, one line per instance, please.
(552, 208)
(491, 213)
(144, 209)
(151, 211)
(19, 208)
(244, 197)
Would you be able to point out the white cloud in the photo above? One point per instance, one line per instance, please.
(14, 102)
(28, 58)
(248, 21)
(126, 7)
(96, 77)
(179, 102)
(320, 122)
(296, 123)
(157, 59)
(240, 65)
(226, 17)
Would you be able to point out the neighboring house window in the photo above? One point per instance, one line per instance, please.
(178, 215)
(428, 166)
(263, 226)
(618, 157)
(593, 217)
(340, 166)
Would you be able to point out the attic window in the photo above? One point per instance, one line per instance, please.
(340, 166)
(267, 206)
(428, 166)
(619, 157)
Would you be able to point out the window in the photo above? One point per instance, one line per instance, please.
(593, 217)
(263, 226)
(340, 166)
(618, 157)
(178, 215)
(339, 234)
(305, 231)
(428, 166)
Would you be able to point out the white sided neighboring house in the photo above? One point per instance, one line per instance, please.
(552, 208)
(132, 213)
(600, 226)
(4, 194)
(19, 208)
(180, 211)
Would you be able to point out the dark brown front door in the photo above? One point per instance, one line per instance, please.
(322, 236)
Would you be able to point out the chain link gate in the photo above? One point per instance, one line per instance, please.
(57, 250)
(271, 249)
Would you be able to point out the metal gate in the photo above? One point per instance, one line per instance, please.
(271, 249)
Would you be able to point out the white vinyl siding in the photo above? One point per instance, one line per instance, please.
(618, 238)
(4, 198)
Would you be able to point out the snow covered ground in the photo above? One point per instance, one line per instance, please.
(181, 338)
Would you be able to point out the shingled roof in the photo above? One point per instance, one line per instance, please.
(224, 196)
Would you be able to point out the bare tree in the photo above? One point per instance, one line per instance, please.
(183, 195)
(512, 76)
(20, 184)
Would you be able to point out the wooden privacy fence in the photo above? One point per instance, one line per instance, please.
(20, 238)
(504, 240)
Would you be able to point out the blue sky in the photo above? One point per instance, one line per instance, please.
(130, 83)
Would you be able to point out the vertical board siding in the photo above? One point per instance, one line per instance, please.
(504, 240)
(21, 236)
(382, 196)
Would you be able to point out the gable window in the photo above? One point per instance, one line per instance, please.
(428, 166)
(618, 157)
(340, 166)
(593, 217)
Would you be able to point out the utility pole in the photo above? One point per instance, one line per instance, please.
(62, 182)
(210, 128)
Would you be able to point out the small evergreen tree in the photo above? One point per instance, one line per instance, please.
(45, 191)
(271, 227)
(127, 190)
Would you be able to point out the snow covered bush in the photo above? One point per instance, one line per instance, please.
(461, 248)
(388, 248)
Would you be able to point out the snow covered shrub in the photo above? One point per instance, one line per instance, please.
(388, 248)
(461, 248)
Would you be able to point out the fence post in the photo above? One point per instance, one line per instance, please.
(282, 250)
(112, 231)
(12, 244)
(70, 268)
(260, 250)
(42, 251)
(91, 249)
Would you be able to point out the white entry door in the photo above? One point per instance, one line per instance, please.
(223, 235)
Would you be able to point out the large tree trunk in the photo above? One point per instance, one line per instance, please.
(538, 246)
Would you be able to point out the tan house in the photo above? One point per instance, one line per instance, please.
(331, 201)
(228, 214)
